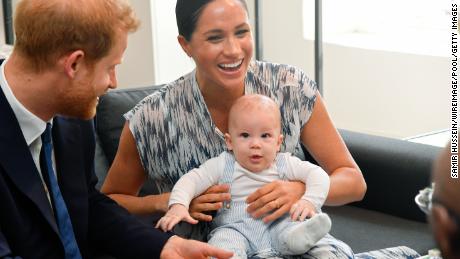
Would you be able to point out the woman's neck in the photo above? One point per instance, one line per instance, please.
(219, 97)
(219, 100)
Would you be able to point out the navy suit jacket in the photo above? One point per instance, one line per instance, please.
(27, 226)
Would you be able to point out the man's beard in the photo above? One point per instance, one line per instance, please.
(80, 102)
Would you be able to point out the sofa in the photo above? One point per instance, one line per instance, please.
(395, 171)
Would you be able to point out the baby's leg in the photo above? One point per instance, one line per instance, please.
(295, 237)
(231, 240)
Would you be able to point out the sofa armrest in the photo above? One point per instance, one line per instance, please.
(395, 170)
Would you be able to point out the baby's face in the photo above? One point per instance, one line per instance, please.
(255, 139)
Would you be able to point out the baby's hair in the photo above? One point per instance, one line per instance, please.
(251, 102)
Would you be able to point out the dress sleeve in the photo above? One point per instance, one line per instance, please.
(142, 122)
(306, 95)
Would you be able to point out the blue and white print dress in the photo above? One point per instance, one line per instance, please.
(174, 131)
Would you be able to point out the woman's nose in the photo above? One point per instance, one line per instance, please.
(232, 47)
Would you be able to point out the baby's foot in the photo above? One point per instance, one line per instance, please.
(303, 236)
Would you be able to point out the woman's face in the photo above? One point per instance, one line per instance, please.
(221, 45)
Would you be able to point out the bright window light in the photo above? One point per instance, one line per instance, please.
(409, 26)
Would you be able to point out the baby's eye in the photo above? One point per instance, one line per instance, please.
(265, 135)
(244, 135)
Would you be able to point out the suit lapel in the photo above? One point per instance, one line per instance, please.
(68, 150)
(16, 159)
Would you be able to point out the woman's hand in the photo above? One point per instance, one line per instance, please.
(212, 199)
(274, 199)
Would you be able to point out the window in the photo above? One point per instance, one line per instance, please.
(409, 26)
(385, 63)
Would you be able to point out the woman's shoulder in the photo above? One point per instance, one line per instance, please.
(280, 74)
(168, 92)
(167, 96)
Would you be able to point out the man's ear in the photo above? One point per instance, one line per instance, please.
(228, 140)
(184, 44)
(443, 227)
(73, 62)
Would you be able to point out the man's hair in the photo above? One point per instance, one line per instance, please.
(48, 29)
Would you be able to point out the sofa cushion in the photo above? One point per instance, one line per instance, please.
(394, 169)
(365, 230)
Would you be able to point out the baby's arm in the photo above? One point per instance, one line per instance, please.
(188, 187)
(316, 187)
(176, 213)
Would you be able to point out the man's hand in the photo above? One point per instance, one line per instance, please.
(211, 200)
(179, 248)
(301, 210)
(175, 214)
(276, 197)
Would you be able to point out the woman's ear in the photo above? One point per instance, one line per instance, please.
(184, 44)
(228, 140)
(73, 62)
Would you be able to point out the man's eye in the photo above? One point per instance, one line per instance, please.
(244, 135)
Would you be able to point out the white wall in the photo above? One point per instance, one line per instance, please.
(137, 68)
(379, 92)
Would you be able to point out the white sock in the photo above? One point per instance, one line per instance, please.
(300, 238)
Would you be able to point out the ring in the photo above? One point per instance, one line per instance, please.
(277, 204)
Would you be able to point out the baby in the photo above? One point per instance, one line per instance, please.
(253, 160)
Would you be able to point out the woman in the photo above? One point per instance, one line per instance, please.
(179, 127)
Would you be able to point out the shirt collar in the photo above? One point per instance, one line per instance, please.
(31, 125)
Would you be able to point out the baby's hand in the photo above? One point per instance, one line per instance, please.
(301, 210)
(175, 214)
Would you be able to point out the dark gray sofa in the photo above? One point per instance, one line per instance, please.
(395, 170)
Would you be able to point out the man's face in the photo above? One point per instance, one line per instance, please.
(445, 209)
(81, 97)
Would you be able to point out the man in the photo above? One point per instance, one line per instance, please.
(64, 58)
(445, 210)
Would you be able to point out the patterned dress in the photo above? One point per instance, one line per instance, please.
(175, 133)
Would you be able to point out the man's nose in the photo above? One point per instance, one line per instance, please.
(113, 80)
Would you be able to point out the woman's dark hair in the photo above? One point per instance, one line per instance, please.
(188, 12)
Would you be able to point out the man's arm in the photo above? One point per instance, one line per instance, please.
(5, 251)
(4, 247)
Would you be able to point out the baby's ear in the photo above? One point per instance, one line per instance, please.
(228, 140)
(280, 141)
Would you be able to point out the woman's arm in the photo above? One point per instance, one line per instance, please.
(324, 143)
(126, 177)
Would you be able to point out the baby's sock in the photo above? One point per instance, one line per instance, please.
(300, 238)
